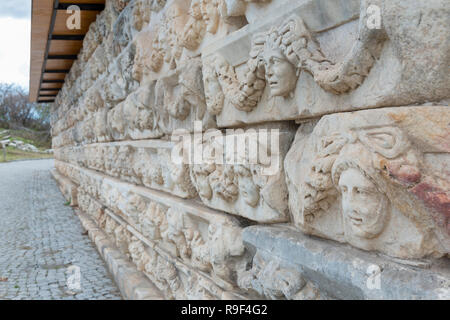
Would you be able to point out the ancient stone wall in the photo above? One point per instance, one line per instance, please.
(271, 149)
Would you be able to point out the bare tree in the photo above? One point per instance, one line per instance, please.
(16, 111)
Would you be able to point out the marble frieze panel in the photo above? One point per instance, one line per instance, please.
(376, 179)
(317, 57)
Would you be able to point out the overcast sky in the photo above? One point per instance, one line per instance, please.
(15, 21)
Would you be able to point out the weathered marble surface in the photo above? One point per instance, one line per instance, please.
(255, 189)
(312, 58)
(154, 81)
(273, 279)
(376, 179)
(174, 278)
(154, 72)
(132, 284)
(342, 272)
(147, 163)
(203, 239)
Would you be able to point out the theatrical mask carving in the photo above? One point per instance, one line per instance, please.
(195, 28)
(277, 57)
(129, 23)
(248, 189)
(270, 279)
(286, 64)
(364, 208)
(119, 5)
(364, 183)
(153, 222)
(243, 188)
(137, 253)
(180, 100)
(166, 44)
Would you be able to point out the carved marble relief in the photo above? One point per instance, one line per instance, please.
(203, 239)
(130, 21)
(270, 279)
(165, 45)
(176, 280)
(289, 70)
(180, 100)
(213, 17)
(240, 186)
(155, 109)
(374, 179)
(148, 164)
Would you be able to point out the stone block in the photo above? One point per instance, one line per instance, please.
(376, 179)
(338, 271)
(317, 57)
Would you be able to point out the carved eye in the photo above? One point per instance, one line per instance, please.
(362, 192)
(277, 60)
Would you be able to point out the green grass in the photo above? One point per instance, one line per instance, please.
(13, 154)
(38, 139)
(29, 137)
(21, 139)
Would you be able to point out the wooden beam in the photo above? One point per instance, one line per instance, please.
(57, 71)
(52, 81)
(54, 46)
(40, 21)
(82, 6)
(60, 28)
(54, 86)
(47, 45)
(59, 64)
(62, 57)
(78, 37)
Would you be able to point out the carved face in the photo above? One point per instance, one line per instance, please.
(225, 185)
(118, 120)
(156, 175)
(138, 66)
(177, 106)
(204, 187)
(177, 172)
(195, 10)
(247, 188)
(213, 93)
(280, 73)
(119, 5)
(210, 15)
(363, 206)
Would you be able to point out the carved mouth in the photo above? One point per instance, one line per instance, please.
(355, 220)
(273, 83)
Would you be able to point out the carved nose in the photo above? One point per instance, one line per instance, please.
(346, 202)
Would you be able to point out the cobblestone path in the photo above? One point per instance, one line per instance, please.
(42, 243)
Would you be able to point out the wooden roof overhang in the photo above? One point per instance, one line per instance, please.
(54, 47)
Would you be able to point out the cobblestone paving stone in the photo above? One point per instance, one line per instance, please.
(42, 243)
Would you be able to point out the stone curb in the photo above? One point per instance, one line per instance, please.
(67, 187)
